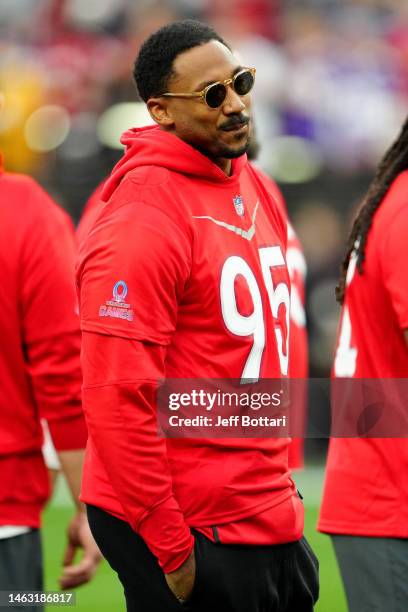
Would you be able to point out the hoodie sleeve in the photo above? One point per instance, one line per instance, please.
(119, 395)
(132, 273)
(130, 280)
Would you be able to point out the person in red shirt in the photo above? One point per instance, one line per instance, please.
(365, 501)
(40, 377)
(183, 275)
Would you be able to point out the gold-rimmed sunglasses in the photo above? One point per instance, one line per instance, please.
(215, 93)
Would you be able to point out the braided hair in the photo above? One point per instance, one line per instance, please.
(393, 163)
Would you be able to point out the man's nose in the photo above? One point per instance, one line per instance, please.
(233, 103)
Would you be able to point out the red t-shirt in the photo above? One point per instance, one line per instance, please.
(199, 258)
(40, 373)
(366, 487)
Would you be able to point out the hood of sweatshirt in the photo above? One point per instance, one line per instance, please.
(151, 146)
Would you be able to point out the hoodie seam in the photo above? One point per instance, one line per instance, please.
(143, 185)
(187, 229)
(139, 197)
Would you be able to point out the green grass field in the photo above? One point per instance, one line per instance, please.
(105, 592)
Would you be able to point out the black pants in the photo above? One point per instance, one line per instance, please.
(229, 578)
(21, 566)
(374, 572)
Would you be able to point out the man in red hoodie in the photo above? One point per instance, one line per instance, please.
(183, 275)
(40, 377)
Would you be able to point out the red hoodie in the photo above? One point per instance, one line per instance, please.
(39, 350)
(193, 253)
(298, 347)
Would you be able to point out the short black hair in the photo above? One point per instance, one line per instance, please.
(154, 63)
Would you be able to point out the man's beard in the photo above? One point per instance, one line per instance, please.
(224, 152)
(233, 154)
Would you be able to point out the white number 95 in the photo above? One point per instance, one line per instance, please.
(254, 324)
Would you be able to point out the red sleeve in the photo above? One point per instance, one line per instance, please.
(133, 272)
(120, 383)
(394, 257)
(51, 333)
(133, 269)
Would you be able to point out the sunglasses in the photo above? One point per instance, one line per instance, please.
(214, 95)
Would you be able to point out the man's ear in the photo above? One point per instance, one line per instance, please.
(160, 112)
(2, 101)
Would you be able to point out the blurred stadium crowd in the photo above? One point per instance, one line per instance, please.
(331, 93)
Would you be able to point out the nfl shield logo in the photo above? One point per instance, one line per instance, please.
(239, 205)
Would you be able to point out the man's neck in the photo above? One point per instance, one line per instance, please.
(224, 164)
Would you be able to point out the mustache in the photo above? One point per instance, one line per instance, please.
(234, 121)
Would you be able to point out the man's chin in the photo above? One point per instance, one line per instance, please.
(232, 152)
(223, 151)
